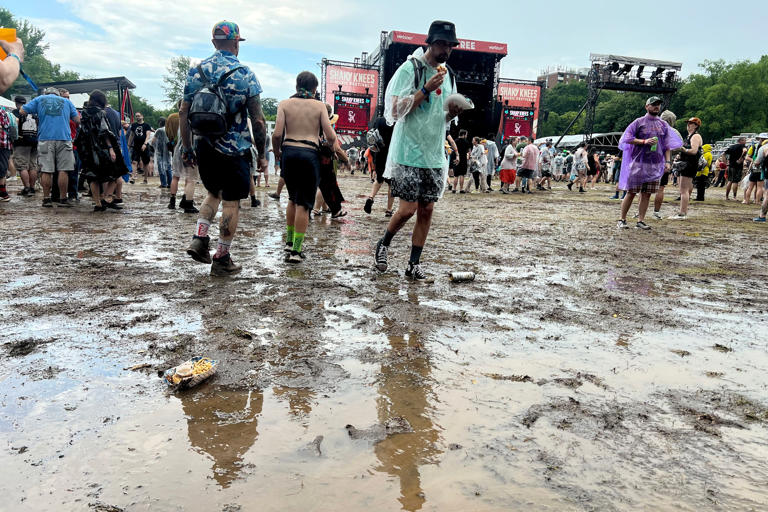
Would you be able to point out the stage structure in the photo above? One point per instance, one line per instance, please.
(630, 74)
(475, 65)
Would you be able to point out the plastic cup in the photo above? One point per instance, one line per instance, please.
(7, 34)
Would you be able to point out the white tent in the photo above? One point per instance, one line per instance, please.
(8, 104)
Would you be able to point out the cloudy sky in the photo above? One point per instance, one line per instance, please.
(137, 38)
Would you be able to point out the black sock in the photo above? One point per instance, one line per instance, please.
(415, 254)
(387, 238)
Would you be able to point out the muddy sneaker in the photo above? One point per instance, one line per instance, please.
(112, 205)
(172, 203)
(388, 213)
(288, 247)
(414, 272)
(274, 196)
(657, 215)
(570, 186)
(255, 202)
(380, 256)
(199, 250)
(622, 224)
(758, 219)
(678, 216)
(64, 203)
(99, 208)
(5, 198)
(295, 257)
(47, 202)
(368, 205)
(224, 266)
(642, 225)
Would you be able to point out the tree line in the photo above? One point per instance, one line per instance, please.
(729, 98)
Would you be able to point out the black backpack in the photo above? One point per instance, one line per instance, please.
(418, 72)
(209, 114)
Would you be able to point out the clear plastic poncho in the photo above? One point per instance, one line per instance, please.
(419, 135)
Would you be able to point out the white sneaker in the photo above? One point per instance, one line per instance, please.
(657, 215)
(622, 224)
(678, 216)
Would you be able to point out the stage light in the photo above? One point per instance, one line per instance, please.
(656, 73)
(640, 70)
(613, 66)
(670, 76)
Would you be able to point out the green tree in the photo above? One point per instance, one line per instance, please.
(269, 106)
(36, 65)
(173, 82)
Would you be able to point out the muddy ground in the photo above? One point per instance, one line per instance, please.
(584, 369)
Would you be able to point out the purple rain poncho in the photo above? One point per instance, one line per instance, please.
(639, 164)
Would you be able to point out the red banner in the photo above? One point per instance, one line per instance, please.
(353, 112)
(353, 80)
(464, 44)
(522, 95)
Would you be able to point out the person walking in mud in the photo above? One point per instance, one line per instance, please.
(296, 143)
(224, 161)
(647, 143)
(417, 164)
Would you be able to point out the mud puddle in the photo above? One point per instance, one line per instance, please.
(584, 369)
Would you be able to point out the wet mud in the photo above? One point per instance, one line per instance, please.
(583, 369)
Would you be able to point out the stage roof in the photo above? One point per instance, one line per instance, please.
(86, 86)
(469, 45)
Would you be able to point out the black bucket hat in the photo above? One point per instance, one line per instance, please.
(442, 31)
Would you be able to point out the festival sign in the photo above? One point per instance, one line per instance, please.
(469, 45)
(354, 113)
(351, 80)
(520, 95)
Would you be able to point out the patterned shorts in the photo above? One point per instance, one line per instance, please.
(646, 188)
(417, 184)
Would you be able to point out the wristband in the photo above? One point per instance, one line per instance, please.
(424, 91)
(15, 57)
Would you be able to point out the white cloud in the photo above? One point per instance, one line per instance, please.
(138, 38)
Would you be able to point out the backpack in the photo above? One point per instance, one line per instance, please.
(418, 72)
(209, 114)
(29, 128)
(374, 138)
(702, 162)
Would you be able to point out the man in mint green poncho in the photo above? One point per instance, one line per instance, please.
(416, 164)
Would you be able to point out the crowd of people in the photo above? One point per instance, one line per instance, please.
(218, 137)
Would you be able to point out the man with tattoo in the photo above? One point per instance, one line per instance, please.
(223, 162)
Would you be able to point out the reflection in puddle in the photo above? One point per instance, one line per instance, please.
(224, 425)
(404, 388)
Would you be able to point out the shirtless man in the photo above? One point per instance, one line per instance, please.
(295, 142)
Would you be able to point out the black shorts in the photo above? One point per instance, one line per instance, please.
(137, 154)
(525, 173)
(591, 172)
(228, 175)
(300, 168)
(5, 158)
(754, 177)
(664, 180)
(461, 169)
(546, 174)
(734, 175)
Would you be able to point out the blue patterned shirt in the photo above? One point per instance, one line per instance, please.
(237, 88)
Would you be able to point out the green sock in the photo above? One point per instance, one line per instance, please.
(298, 239)
(289, 234)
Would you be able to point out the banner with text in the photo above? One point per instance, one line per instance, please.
(351, 79)
(522, 95)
